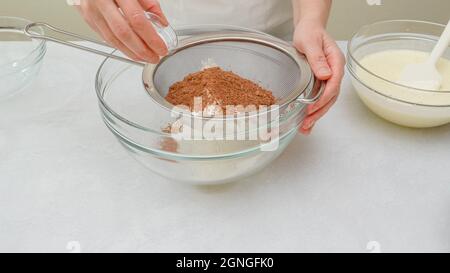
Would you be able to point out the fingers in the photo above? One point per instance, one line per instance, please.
(331, 91)
(326, 61)
(312, 47)
(311, 120)
(306, 132)
(123, 31)
(124, 25)
(337, 62)
(97, 22)
(111, 39)
(154, 7)
(135, 15)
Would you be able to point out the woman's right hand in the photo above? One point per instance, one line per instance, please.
(123, 25)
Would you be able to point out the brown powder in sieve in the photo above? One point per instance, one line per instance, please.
(219, 88)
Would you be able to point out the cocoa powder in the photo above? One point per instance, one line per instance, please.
(218, 88)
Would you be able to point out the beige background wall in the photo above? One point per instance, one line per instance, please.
(347, 15)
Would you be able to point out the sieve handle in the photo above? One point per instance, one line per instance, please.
(28, 31)
(318, 84)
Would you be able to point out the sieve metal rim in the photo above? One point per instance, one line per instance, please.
(306, 82)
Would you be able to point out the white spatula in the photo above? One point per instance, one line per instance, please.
(425, 75)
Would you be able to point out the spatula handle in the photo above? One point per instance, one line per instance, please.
(441, 46)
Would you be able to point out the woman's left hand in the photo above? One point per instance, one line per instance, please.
(327, 62)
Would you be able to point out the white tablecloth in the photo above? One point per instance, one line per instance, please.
(358, 183)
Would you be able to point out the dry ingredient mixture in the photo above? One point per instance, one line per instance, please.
(219, 88)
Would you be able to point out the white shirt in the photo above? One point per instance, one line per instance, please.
(271, 16)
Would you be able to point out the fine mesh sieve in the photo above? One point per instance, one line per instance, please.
(270, 62)
(252, 56)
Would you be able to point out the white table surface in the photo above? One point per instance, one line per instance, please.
(356, 182)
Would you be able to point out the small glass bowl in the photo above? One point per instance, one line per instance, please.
(20, 57)
(410, 107)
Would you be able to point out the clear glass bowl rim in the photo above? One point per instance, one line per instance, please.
(100, 89)
(353, 58)
(41, 46)
(170, 155)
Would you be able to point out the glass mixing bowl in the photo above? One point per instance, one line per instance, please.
(20, 56)
(138, 122)
(406, 106)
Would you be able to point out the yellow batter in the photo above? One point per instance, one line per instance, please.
(404, 108)
(389, 64)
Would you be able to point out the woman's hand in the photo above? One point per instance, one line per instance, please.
(327, 63)
(123, 25)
